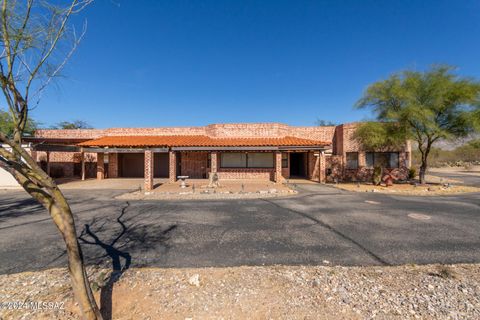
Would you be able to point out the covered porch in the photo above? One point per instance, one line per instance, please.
(199, 157)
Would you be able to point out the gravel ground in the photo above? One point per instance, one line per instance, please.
(407, 189)
(204, 195)
(274, 292)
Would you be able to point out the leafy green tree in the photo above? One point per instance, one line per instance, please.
(76, 124)
(7, 125)
(380, 135)
(427, 106)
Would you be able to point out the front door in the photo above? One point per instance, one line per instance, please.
(297, 164)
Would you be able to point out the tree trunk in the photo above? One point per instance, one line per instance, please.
(43, 189)
(63, 218)
(423, 167)
(423, 171)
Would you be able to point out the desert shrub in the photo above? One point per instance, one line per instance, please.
(412, 173)
(377, 175)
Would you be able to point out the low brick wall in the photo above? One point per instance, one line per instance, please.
(268, 174)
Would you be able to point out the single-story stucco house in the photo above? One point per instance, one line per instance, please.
(271, 151)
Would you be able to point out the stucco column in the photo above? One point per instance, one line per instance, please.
(172, 166)
(112, 165)
(149, 170)
(82, 155)
(278, 167)
(213, 164)
(100, 166)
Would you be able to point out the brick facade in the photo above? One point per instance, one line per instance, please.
(112, 165)
(172, 166)
(148, 170)
(319, 165)
(278, 167)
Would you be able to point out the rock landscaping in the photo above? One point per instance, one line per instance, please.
(200, 189)
(273, 292)
(409, 189)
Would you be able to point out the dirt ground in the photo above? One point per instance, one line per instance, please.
(275, 292)
(408, 189)
(200, 189)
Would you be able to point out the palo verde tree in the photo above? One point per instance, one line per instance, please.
(37, 38)
(426, 106)
(7, 124)
(380, 136)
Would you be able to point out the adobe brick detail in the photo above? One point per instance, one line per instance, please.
(113, 165)
(213, 162)
(278, 167)
(148, 185)
(172, 166)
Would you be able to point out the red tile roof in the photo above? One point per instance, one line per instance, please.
(197, 141)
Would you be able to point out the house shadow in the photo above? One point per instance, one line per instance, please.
(118, 248)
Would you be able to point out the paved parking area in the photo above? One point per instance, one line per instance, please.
(319, 225)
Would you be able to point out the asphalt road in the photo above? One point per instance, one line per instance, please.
(320, 224)
(467, 179)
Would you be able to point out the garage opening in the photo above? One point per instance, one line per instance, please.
(160, 165)
(131, 165)
(298, 164)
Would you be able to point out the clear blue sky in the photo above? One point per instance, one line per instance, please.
(165, 63)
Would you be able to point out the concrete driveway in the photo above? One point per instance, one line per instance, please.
(320, 225)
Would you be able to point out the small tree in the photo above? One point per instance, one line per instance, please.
(7, 125)
(426, 106)
(324, 123)
(36, 43)
(76, 124)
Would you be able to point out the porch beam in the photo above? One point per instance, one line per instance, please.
(125, 150)
(224, 148)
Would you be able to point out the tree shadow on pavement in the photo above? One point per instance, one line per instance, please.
(128, 238)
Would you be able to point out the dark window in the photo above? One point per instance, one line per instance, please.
(233, 160)
(260, 160)
(352, 160)
(382, 159)
(284, 160)
(369, 159)
(244, 160)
